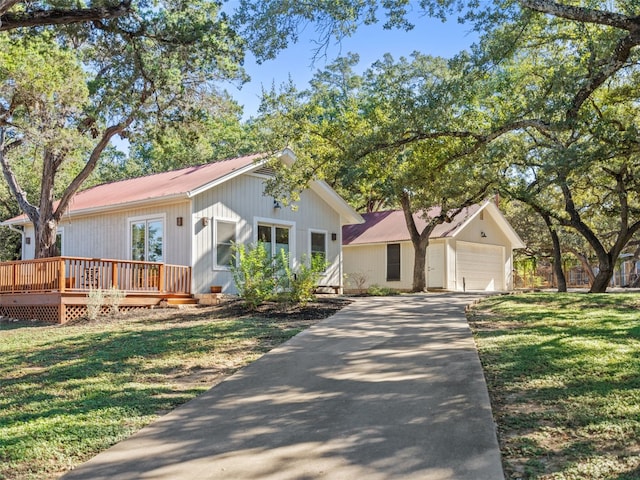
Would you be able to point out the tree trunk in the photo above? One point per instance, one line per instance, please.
(557, 251)
(44, 218)
(45, 240)
(419, 266)
(602, 279)
(46, 229)
(557, 257)
(557, 264)
(420, 241)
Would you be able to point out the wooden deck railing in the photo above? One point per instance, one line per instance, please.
(80, 275)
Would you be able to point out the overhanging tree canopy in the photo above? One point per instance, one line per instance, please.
(352, 129)
(161, 58)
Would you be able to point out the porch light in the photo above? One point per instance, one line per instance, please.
(276, 205)
(205, 221)
(483, 235)
(179, 221)
(334, 236)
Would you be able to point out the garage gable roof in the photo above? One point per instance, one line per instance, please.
(390, 226)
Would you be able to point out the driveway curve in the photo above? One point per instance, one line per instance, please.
(388, 388)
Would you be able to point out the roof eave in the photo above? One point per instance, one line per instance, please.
(348, 215)
(105, 208)
(219, 181)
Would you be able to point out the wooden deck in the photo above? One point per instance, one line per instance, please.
(57, 289)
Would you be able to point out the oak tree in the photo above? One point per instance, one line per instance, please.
(82, 84)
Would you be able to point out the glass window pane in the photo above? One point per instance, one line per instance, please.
(282, 240)
(224, 255)
(137, 240)
(282, 235)
(59, 244)
(264, 233)
(393, 262)
(318, 245)
(226, 232)
(155, 241)
(264, 236)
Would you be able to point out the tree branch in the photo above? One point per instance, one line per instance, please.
(617, 61)
(582, 14)
(7, 4)
(40, 18)
(480, 139)
(90, 166)
(620, 54)
(20, 195)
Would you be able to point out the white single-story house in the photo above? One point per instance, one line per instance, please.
(473, 252)
(192, 216)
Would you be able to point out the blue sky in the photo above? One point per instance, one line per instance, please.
(430, 36)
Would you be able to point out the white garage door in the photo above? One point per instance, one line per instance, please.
(479, 267)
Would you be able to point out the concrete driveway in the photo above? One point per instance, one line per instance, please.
(389, 388)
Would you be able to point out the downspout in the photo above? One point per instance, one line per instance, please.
(340, 259)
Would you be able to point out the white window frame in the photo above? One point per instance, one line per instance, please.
(217, 267)
(274, 222)
(146, 218)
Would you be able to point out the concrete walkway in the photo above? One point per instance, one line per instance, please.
(389, 388)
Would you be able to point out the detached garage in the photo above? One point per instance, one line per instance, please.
(473, 252)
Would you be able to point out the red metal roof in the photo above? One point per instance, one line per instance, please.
(390, 226)
(156, 186)
(166, 184)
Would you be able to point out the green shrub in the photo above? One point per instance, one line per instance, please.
(253, 272)
(303, 281)
(378, 291)
(258, 277)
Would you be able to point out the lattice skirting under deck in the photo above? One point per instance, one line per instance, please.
(44, 313)
(51, 313)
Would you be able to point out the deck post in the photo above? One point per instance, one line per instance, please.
(14, 280)
(161, 278)
(61, 275)
(114, 275)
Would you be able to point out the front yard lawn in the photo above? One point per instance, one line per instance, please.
(563, 371)
(68, 392)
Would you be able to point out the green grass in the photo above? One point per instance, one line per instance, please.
(563, 371)
(68, 392)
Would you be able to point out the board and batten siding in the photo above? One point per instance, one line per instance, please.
(106, 235)
(370, 261)
(242, 200)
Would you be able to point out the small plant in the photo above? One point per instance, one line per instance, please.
(303, 282)
(113, 299)
(358, 280)
(95, 302)
(253, 273)
(378, 291)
